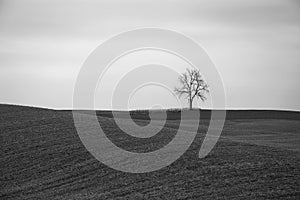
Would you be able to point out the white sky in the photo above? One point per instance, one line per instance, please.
(255, 45)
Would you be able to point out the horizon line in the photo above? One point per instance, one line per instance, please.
(123, 110)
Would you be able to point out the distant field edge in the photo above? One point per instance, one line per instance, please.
(173, 113)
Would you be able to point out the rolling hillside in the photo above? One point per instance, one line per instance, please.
(42, 157)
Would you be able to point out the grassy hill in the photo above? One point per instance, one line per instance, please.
(42, 157)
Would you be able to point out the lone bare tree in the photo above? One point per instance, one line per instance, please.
(192, 85)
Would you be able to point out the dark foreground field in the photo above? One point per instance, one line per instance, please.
(42, 157)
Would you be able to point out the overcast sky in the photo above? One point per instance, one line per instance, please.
(255, 45)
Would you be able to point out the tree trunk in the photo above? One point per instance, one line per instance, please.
(191, 104)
